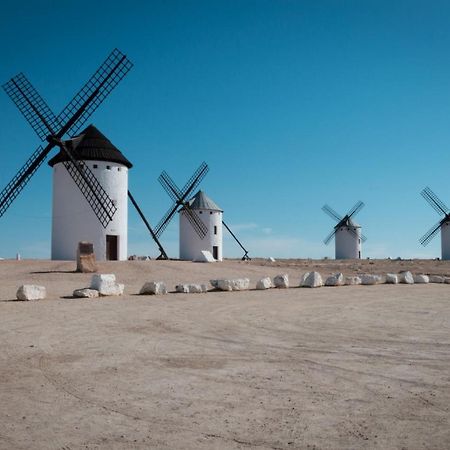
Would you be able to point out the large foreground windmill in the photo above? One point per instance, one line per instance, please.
(109, 211)
(200, 218)
(443, 225)
(347, 234)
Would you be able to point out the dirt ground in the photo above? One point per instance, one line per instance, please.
(339, 368)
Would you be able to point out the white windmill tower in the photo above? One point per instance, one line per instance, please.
(73, 219)
(191, 242)
(444, 224)
(347, 233)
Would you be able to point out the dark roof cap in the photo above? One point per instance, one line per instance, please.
(92, 145)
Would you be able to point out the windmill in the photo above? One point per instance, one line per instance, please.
(347, 233)
(439, 206)
(53, 128)
(200, 218)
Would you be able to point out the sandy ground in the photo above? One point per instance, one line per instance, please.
(349, 367)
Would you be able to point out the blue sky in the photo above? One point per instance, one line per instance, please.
(293, 104)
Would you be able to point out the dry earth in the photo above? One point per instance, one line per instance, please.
(347, 367)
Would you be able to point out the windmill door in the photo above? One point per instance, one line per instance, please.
(215, 252)
(111, 248)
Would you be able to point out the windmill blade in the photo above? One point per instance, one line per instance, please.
(195, 180)
(22, 177)
(170, 187)
(32, 106)
(358, 235)
(356, 208)
(197, 224)
(164, 222)
(435, 202)
(332, 213)
(92, 190)
(94, 92)
(430, 234)
(327, 240)
(163, 254)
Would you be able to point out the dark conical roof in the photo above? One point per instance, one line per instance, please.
(347, 222)
(201, 201)
(92, 145)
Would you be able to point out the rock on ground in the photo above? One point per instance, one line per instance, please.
(406, 277)
(264, 283)
(281, 281)
(421, 279)
(236, 284)
(391, 278)
(153, 288)
(336, 279)
(436, 279)
(191, 288)
(369, 279)
(31, 292)
(85, 293)
(106, 285)
(352, 281)
(311, 280)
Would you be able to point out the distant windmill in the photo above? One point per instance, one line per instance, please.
(111, 241)
(53, 128)
(200, 218)
(439, 206)
(347, 233)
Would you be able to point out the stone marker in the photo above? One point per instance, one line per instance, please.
(153, 288)
(106, 285)
(31, 292)
(264, 283)
(421, 279)
(391, 278)
(205, 256)
(311, 280)
(369, 279)
(436, 279)
(85, 293)
(281, 281)
(352, 281)
(86, 258)
(336, 279)
(237, 284)
(191, 288)
(406, 277)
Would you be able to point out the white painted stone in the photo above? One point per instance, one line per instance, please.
(153, 288)
(106, 285)
(237, 284)
(191, 288)
(31, 292)
(352, 281)
(406, 277)
(204, 256)
(369, 279)
(391, 278)
(281, 281)
(101, 279)
(336, 279)
(312, 280)
(85, 293)
(421, 279)
(436, 279)
(264, 283)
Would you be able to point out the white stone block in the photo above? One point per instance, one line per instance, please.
(421, 279)
(101, 280)
(369, 279)
(153, 288)
(237, 284)
(406, 277)
(281, 281)
(264, 283)
(31, 292)
(312, 280)
(436, 279)
(352, 281)
(192, 288)
(336, 279)
(391, 278)
(85, 293)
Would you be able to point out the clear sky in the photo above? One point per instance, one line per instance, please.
(293, 104)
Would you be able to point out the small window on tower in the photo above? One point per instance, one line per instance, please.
(215, 229)
(95, 166)
(210, 212)
(108, 167)
(119, 169)
(200, 212)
